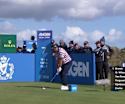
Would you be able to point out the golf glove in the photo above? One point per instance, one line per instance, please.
(59, 69)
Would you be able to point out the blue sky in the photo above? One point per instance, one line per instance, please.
(77, 20)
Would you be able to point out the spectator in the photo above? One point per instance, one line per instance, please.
(105, 57)
(24, 49)
(32, 38)
(99, 60)
(19, 49)
(63, 45)
(77, 48)
(34, 47)
(53, 43)
(86, 48)
(71, 47)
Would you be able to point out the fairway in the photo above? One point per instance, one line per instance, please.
(32, 93)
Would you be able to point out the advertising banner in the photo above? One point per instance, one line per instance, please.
(7, 43)
(17, 67)
(44, 65)
(82, 70)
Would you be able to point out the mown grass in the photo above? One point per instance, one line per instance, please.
(32, 93)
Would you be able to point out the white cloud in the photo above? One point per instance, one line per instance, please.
(114, 38)
(114, 35)
(75, 33)
(26, 34)
(96, 35)
(120, 7)
(7, 27)
(27, 2)
(47, 9)
(79, 35)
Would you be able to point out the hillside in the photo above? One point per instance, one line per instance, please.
(117, 57)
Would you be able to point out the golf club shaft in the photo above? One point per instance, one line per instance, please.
(54, 76)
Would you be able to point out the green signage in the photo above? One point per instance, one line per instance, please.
(7, 43)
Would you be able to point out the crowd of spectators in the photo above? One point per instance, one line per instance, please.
(73, 47)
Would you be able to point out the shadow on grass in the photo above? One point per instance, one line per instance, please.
(91, 90)
(41, 87)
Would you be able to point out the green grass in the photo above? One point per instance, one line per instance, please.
(32, 93)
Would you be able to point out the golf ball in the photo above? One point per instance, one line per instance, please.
(43, 88)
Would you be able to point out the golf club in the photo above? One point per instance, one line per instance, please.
(57, 73)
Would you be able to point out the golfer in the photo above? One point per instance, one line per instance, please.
(64, 63)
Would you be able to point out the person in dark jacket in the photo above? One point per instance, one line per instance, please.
(71, 47)
(86, 48)
(34, 47)
(63, 45)
(105, 59)
(77, 48)
(99, 60)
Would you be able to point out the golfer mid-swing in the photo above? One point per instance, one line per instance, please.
(64, 62)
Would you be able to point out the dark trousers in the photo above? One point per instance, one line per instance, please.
(64, 72)
(105, 69)
(99, 70)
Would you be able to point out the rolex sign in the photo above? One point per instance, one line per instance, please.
(7, 43)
